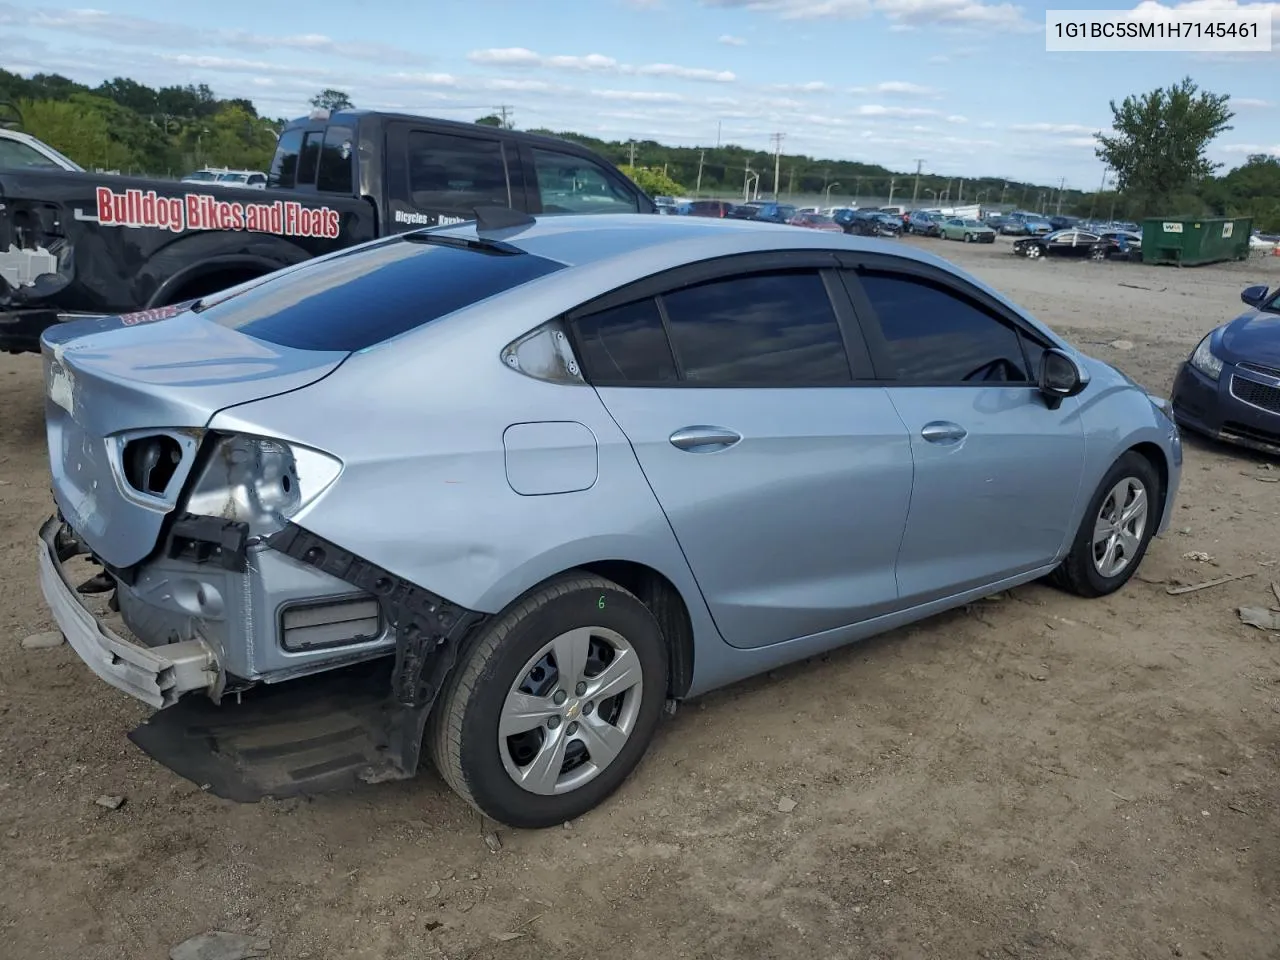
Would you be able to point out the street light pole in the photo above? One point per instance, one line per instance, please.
(915, 191)
(827, 195)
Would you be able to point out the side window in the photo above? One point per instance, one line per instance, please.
(933, 334)
(335, 161)
(625, 344)
(257, 179)
(569, 184)
(456, 173)
(774, 328)
(310, 158)
(284, 165)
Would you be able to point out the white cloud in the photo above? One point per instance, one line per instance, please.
(428, 79)
(903, 13)
(639, 96)
(813, 86)
(1250, 103)
(593, 62)
(1058, 128)
(144, 32)
(1249, 149)
(1080, 142)
(897, 88)
(731, 41)
(898, 113)
(957, 118)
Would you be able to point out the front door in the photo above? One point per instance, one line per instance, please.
(997, 473)
(785, 482)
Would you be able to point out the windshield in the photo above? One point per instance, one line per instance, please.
(233, 178)
(201, 175)
(370, 294)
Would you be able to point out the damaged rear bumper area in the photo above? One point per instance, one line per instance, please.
(338, 721)
(156, 676)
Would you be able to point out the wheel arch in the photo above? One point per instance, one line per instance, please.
(1155, 455)
(209, 276)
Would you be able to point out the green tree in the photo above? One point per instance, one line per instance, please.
(332, 100)
(1158, 148)
(79, 130)
(490, 120)
(652, 181)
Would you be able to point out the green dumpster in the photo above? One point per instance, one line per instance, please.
(1190, 242)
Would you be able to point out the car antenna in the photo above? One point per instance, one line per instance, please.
(492, 218)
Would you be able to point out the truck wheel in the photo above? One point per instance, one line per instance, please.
(553, 704)
(1116, 529)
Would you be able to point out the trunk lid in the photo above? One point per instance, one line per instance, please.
(126, 401)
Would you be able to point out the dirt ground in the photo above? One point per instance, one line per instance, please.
(1034, 777)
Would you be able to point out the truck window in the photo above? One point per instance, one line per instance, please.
(310, 158)
(284, 165)
(451, 175)
(335, 161)
(570, 184)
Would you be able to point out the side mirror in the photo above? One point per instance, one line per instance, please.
(1060, 376)
(1254, 295)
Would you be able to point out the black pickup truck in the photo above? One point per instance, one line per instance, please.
(81, 244)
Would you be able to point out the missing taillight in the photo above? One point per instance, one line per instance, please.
(150, 463)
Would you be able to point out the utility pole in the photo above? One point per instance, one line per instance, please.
(504, 110)
(777, 162)
(857, 188)
(746, 180)
(915, 191)
(1003, 191)
(633, 154)
(697, 191)
(1101, 186)
(791, 182)
(718, 122)
(893, 182)
(1061, 184)
(960, 197)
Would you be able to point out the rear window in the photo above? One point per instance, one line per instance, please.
(364, 297)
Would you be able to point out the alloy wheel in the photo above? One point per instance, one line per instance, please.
(1119, 526)
(571, 710)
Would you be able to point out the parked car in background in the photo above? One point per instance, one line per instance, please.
(815, 221)
(21, 151)
(869, 223)
(1063, 222)
(221, 176)
(665, 205)
(258, 463)
(774, 212)
(923, 223)
(743, 211)
(1075, 242)
(1011, 227)
(1229, 387)
(709, 208)
(970, 231)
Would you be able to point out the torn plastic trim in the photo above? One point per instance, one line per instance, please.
(428, 629)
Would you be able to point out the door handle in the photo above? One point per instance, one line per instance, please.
(703, 439)
(943, 431)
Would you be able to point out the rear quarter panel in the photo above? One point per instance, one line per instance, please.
(424, 491)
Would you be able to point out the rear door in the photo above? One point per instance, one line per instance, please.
(784, 475)
(437, 176)
(564, 182)
(997, 473)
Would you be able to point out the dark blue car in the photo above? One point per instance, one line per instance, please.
(1229, 388)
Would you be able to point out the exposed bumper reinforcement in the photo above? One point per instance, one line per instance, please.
(157, 676)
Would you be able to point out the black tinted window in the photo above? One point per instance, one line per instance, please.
(363, 297)
(284, 166)
(935, 335)
(335, 161)
(456, 173)
(764, 328)
(310, 158)
(625, 345)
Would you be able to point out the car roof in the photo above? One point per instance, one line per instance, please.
(586, 239)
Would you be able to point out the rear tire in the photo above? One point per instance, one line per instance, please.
(501, 676)
(1083, 572)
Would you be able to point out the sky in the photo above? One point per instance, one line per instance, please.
(965, 86)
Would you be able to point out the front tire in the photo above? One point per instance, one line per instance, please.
(968, 238)
(1117, 528)
(553, 704)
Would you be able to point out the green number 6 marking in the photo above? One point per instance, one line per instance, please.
(600, 602)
